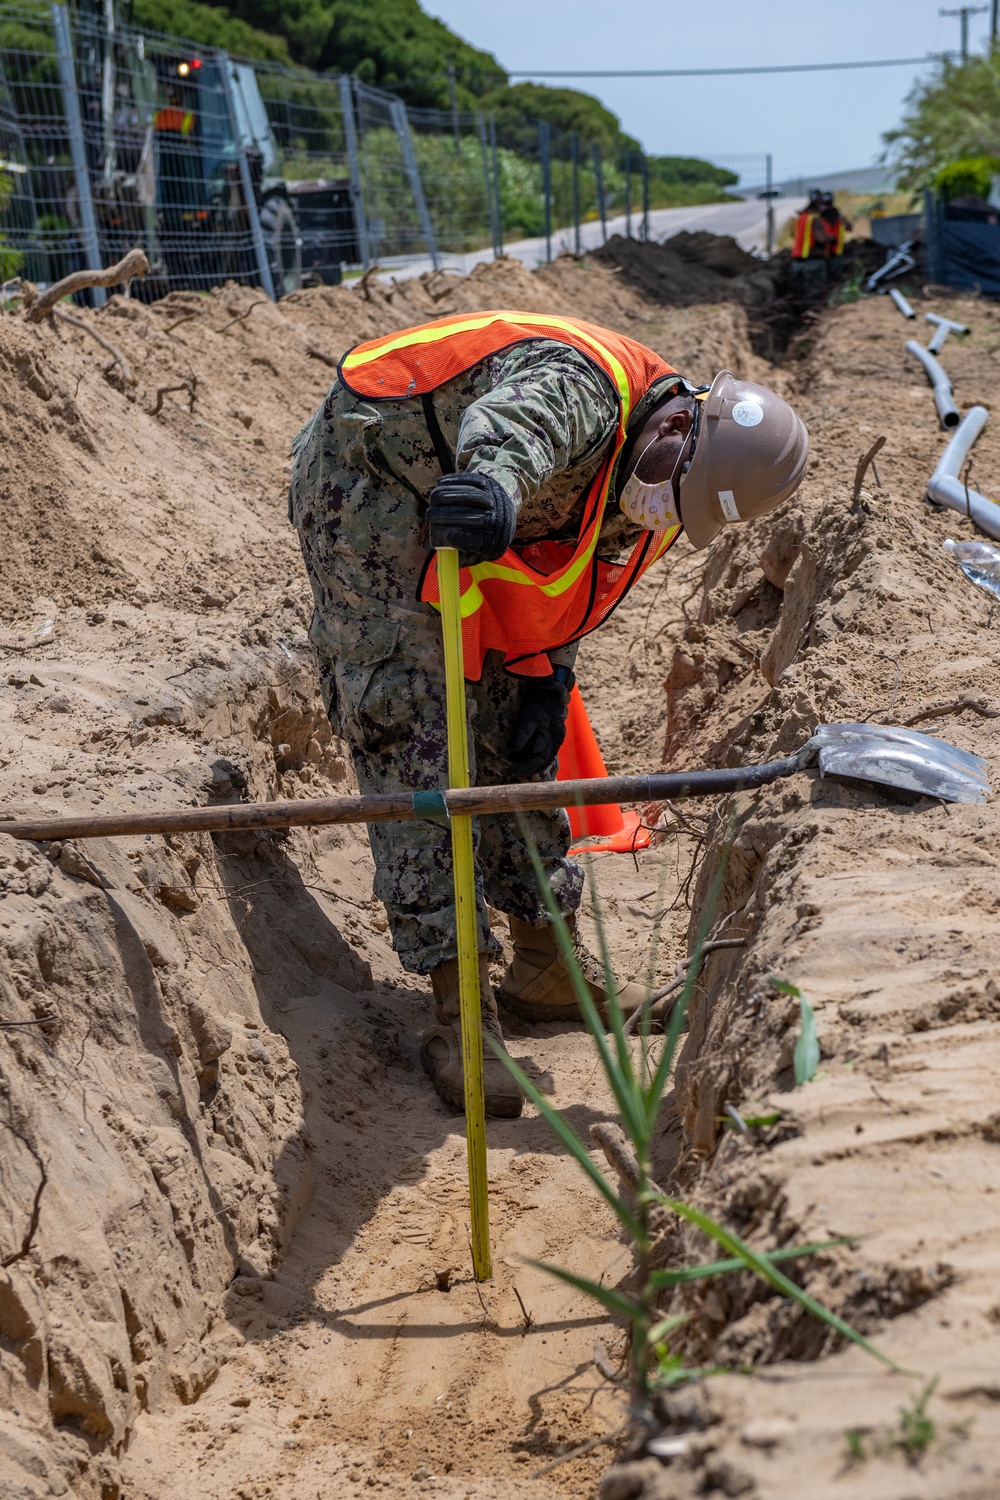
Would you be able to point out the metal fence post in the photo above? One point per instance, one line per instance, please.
(354, 167)
(78, 151)
(481, 128)
(246, 181)
(770, 210)
(545, 154)
(496, 183)
(628, 195)
(574, 142)
(397, 110)
(599, 185)
(644, 231)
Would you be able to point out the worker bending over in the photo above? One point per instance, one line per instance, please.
(561, 460)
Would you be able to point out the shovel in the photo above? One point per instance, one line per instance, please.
(873, 753)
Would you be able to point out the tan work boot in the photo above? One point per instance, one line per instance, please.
(441, 1049)
(537, 986)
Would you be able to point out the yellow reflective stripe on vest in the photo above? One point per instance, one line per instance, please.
(427, 335)
(472, 596)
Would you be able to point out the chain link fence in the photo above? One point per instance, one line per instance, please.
(278, 177)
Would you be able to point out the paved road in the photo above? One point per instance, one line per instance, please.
(746, 221)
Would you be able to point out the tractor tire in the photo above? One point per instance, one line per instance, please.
(282, 243)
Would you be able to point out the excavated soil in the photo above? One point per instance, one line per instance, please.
(232, 1212)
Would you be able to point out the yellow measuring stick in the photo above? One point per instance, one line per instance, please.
(465, 916)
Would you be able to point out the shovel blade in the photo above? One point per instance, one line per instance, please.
(891, 756)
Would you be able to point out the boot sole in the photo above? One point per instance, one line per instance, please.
(506, 1109)
(526, 1010)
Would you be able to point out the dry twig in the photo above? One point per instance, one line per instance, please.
(133, 264)
(321, 355)
(116, 354)
(584, 1448)
(184, 318)
(863, 462)
(164, 390)
(681, 980)
(958, 706)
(263, 302)
(36, 1207)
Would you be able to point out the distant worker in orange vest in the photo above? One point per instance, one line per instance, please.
(835, 226)
(561, 459)
(805, 245)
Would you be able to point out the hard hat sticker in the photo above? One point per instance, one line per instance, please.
(748, 413)
(727, 500)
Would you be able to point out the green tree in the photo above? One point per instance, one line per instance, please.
(210, 26)
(955, 114)
(519, 108)
(395, 45)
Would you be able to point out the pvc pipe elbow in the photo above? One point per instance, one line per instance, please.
(946, 488)
(941, 385)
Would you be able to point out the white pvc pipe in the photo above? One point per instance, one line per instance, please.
(901, 303)
(944, 327)
(946, 488)
(946, 408)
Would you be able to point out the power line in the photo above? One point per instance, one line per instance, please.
(822, 67)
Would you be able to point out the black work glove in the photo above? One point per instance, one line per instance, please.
(474, 513)
(541, 722)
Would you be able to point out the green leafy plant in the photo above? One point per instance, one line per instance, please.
(806, 1059)
(637, 1083)
(854, 1439)
(969, 177)
(916, 1430)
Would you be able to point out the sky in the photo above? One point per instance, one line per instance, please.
(811, 123)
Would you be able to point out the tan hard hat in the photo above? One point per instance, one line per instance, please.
(750, 453)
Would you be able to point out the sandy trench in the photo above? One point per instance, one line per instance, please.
(229, 1081)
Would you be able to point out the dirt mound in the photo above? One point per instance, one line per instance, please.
(693, 269)
(689, 268)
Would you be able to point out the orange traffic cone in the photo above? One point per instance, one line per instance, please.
(606, 828)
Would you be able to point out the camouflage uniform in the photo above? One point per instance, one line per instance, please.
(538, 417)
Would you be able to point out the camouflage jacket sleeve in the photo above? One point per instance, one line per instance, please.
(547, 409)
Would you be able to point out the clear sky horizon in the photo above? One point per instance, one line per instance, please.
(810, 122)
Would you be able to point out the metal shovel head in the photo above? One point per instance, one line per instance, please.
(890, 756)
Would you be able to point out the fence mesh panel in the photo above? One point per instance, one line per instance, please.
(453, 156)
(306, 116)
(222, 169)
(40, 232)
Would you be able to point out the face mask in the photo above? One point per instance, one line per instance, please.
(651, 506)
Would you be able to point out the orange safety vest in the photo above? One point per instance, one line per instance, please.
(170, 117)
(546, 593)
(802, 247)
(835, 246)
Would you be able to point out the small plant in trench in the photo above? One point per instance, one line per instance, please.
(638, 1084)
(806, 1058)
(915, 1430)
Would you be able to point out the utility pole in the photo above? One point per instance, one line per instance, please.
(574, 143)
(964, 12)
(545, 155)
(994, 8)
(454, 107)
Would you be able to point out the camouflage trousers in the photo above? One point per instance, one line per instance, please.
(359, 476)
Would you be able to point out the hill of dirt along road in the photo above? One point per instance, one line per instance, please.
(232, 1211)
